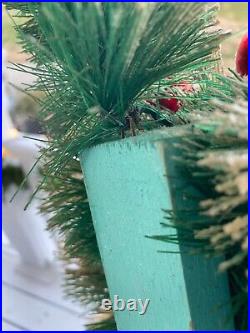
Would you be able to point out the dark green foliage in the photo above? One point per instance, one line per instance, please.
(96, 66)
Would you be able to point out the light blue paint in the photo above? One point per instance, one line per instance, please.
(127, 189)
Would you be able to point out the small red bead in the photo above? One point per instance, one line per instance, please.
(170, 103)
(173, 104)
(242, 57)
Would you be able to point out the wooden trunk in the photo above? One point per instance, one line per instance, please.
(129, 184)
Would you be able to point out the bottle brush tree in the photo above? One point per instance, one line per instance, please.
(109, 71)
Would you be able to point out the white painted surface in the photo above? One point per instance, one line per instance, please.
(7, 326)
(27, 278)
(33, 297)
(30, 304)
(30, 312)
(7, 124)
(26, 229)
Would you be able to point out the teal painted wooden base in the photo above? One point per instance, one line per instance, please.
(128, 189)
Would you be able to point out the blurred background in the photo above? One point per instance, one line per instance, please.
(33, 297)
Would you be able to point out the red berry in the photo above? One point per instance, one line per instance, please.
(242, 57)
(170, 103)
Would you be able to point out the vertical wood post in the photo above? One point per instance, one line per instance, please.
(128, 189)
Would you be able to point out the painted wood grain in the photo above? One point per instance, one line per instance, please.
(128, 190)
(32, 313)
(11, 327)
(29, 303)
(30, 281)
